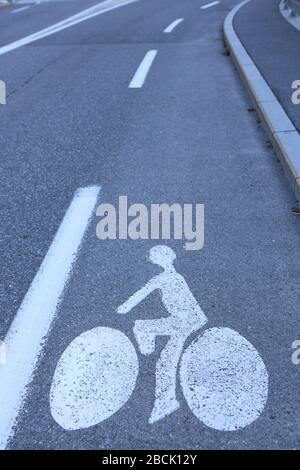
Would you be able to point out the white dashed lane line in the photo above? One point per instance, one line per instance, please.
(173, 25)
(208, 5)
(20, 9)
(143, 69)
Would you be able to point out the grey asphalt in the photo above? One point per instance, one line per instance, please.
(187, 137)
(273, 45)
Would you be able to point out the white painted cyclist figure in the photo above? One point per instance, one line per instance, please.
(185, 317)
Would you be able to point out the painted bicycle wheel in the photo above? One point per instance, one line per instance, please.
(94, 378)
(224, 380)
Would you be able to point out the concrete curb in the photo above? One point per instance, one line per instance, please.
(294, 5)
(290, 13)
(282, 132)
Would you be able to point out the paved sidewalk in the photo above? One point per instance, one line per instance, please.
(274, 47)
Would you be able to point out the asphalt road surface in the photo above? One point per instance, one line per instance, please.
(82, 111)
(272, 45)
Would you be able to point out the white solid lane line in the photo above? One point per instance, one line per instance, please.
(25, 339)
(84, 15)
(208, 5)
(142, 72)
(173, 25)
(20, 9)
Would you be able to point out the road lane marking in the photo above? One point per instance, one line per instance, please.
(84, 15)
(208, 5)
(20, 9)
(173, 25)
(224, 380)
(85, 390)
(143, 69)
(25, 339)
(223, 377)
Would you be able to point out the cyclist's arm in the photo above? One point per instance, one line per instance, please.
(140, 295)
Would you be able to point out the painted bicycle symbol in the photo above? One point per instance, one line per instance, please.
(223, 378)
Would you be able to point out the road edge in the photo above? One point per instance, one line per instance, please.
(282, 132)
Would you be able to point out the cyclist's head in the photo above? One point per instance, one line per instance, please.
(162, 255)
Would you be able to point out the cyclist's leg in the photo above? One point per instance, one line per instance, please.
(166, 368)
(145, 332)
